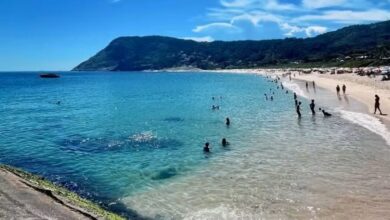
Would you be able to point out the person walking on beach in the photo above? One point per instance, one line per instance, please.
(338, 89)
(377, 105)
(298, 108)
(344, 89)
(307, 86)
(314, 85)
(312, 107)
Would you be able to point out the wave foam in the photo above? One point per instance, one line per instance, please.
(221, 212)
(369, 122)
(295, 88)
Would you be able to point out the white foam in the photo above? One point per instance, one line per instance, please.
(295, 88)
(221, 213)
(367, 121)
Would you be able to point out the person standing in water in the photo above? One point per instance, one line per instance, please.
(338, 89)
(295, 96)
(224, 142)
(206, 147)
(344, 88)
(298, 108)
(227, 121)
(312, 107)
(377, 105)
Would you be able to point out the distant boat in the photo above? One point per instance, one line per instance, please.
(49, 75)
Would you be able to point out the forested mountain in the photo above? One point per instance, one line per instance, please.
(358, 45)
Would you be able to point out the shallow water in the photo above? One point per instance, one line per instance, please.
(133, 141)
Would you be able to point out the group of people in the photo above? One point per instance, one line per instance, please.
(312, 106)
(224, 142)
(338, 89)
(376, 105)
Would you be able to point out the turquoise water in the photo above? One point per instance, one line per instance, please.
(133, 142)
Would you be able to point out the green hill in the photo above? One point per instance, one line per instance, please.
(358, 45)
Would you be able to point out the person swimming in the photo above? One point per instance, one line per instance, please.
(227, 121)
(326, 114)
(312, 107)
(206, 147)
(225, 142)
(272, 98)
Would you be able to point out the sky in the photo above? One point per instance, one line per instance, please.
(59, 34)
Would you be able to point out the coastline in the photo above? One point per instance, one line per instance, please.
(360, 88)
(24, 195)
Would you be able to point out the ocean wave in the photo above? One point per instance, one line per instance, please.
(367, 121)
(295, 88)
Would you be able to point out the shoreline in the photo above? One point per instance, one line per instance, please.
(360, 88)
(24, 195)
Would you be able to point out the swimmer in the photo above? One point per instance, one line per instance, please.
(326, 114)
(272, 98)
(225, 142)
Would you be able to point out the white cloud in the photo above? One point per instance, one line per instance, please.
(258, 18)
(216, 26)
(348, 16)
(275, 5)
(310, 31)
(322, 3)
(236, 3)
(315, 30)
(255, 18)
(200, 39)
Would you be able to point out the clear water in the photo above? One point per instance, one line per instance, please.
(133, 142)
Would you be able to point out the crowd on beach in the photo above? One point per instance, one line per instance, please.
(312, 106)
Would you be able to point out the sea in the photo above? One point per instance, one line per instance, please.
(133, 143)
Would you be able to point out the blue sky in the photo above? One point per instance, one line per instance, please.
(59, 34)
